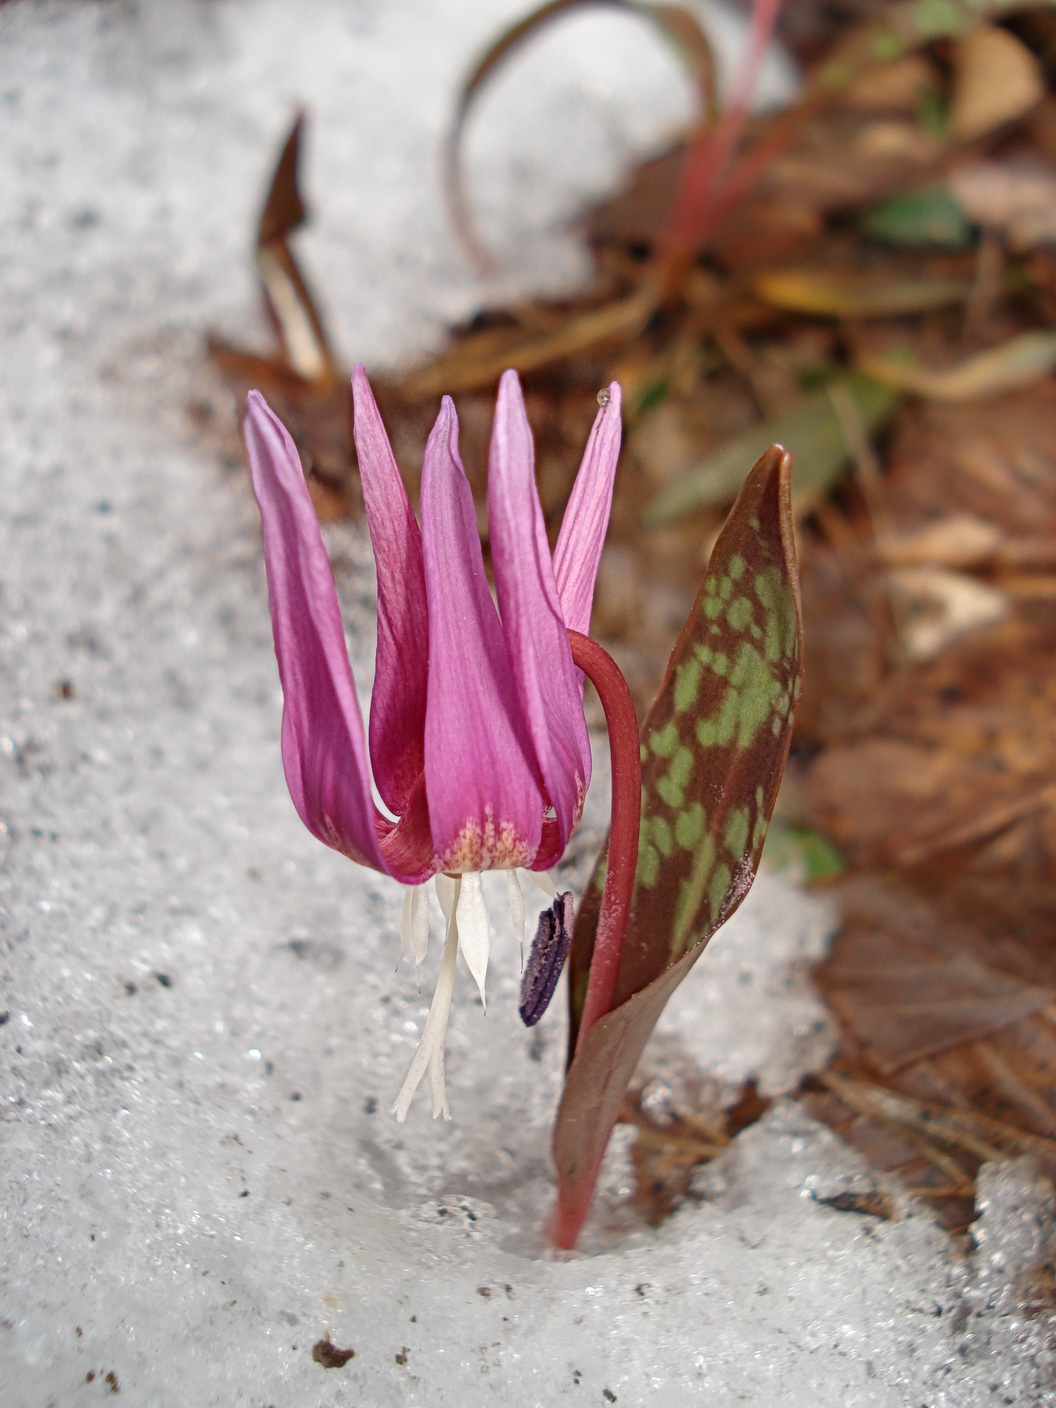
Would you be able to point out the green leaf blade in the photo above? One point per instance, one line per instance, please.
(717, 737)
(714, 749)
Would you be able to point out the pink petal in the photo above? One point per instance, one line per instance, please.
(407, 844)
(397, 705)
(485, 803)
(586, 519)
(546, 680)
(323, 749)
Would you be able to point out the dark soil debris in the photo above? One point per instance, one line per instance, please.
(329, 1356)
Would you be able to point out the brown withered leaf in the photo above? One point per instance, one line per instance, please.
(302, 380)
(907, 987)
(937, 777)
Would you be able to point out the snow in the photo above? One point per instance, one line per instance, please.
(204, 1028)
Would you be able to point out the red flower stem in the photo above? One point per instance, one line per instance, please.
(707, 165)
(604, 674)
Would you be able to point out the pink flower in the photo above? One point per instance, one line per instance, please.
(478, 745)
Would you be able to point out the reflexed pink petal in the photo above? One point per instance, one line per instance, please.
(397, 705)
(582, 535)
(322, 734)
(407, 844)
(547, 683)
(481, 778)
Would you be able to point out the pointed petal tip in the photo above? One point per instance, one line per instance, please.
(443, 438)
(582, 535)
(257, 409)
(510, 385)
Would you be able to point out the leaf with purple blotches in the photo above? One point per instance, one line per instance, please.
(546, 959)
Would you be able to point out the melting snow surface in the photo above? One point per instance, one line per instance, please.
(202, 1027)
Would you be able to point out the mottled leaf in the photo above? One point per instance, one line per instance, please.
(714, 749)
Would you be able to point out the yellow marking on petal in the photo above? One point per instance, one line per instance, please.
(491, 847)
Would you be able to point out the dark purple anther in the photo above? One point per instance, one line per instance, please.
(546, 959)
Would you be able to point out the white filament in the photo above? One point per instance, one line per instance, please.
(544, 879)
(468, 928)
(429, 1055)
(513, 882)
(414, 926)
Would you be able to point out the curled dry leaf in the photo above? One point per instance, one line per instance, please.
(996, 80)
(907, 989)
(933, 606)
(1015, 198)
(1019, 362)
(676, 22)
(857, 294)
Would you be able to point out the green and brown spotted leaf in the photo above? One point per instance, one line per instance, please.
(715, 742)
(714, 749)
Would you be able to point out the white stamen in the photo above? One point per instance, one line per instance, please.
(545, 880)
(430, 1053)
(513, 882)
(414, 926)
(447, 888)
(474, 930)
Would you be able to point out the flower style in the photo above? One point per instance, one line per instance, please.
(478, 744)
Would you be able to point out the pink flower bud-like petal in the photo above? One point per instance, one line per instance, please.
(481, 775)
(323, 748)
(549, 692)
(582, 535)
(478, 742)
(397, 705)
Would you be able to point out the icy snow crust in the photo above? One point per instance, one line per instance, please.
(202, 1024)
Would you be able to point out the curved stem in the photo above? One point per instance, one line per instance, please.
(708, 163)
(603, 673)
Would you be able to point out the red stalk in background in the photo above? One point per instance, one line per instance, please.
(702, 203)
